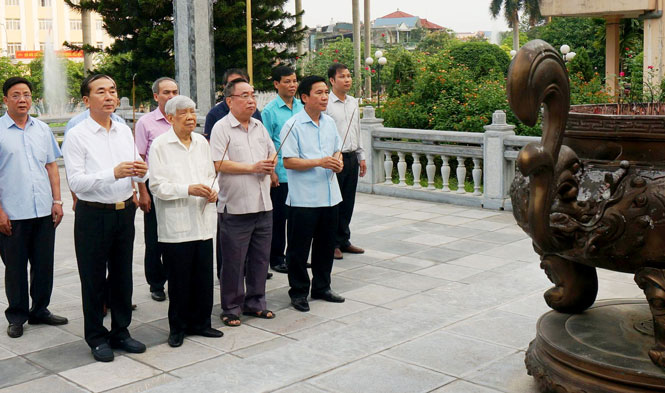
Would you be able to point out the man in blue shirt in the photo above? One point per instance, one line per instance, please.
(274, 115)
(311, 158)
(30, 209)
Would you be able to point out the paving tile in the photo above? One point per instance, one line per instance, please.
(206, 366)
(50, 384)
(325, 327)
(439, 254)
(100, 376)
(152, 311)
(392, 246)
(6, 354)
(499, 237)
(460, 386)
(507, 374)
(478, 296)
(302, 387)
(448, 353)
(286, 321)
(451, 220)
(514, 252)
(476, 213)
(499, 327)
(381, 375)
(63, 357)
(368, 273)
(329, 310)
(413, 282)
(17, 370)
(235, 338)
(405, 264)
(470, 245)
(482, 262)
(485, 225)
(418, 215)
(449, 272)
(36, 338)
(612, 289)
(431, 239)
(530, 306)
(375, 294)
(271, 345)
(165, 358)
(148, 334)
(145, 384)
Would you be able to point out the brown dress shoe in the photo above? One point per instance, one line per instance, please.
(351, 249)
(338, 254)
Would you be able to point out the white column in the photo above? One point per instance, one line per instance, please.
(401, 169)
(445, 173)
(476, 173)
(431, 170)
(499, 172)
(461, 175)
(388, 167)
(416, 167)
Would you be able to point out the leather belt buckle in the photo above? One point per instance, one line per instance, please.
(119, 205)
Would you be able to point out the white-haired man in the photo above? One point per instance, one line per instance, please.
(181, 173)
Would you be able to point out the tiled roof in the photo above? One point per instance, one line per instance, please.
(397, 14)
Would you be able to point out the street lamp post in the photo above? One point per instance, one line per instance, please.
(567, 54)
(381, 61)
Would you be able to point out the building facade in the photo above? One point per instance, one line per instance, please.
(27, 25)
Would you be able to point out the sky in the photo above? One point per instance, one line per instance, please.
(458, 15)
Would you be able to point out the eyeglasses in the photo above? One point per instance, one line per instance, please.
(245, 96)
(17, 97)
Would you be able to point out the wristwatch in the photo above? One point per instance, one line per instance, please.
(57, 203)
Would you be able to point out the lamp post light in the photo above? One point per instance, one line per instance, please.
(567, 54)
(381, 61)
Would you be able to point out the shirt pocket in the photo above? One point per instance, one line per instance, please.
(39, 153)
(177, 219)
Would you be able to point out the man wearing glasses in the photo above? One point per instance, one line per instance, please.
(244, 153)
(30, 209)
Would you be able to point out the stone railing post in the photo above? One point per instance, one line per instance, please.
(499, 172)
(373, 158)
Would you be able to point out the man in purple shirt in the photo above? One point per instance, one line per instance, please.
(149, 127)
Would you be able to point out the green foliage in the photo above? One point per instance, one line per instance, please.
(8, 69)
(337, 51)
(34, 72)
(436, 41)
(482, 58)
(403, 73)
(591, 91)
(581, 63)
(635, 67)
(143, 33)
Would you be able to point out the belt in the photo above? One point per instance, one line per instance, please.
(108, 206)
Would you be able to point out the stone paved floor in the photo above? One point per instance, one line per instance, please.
(445, 300)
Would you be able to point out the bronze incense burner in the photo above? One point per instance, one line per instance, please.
(591, 195)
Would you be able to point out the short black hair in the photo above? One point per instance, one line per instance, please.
(230, 87)
(231, 71)
(305, 86)
(85, 85)
(332, 70)
(281, 71)
(14, 80)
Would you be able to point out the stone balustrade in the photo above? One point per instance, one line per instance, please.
(483, 164)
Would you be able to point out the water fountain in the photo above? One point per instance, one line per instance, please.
(56, 102)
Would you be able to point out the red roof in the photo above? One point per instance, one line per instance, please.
(430, 25)
(397, 14)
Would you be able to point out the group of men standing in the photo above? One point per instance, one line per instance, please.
(271, 174)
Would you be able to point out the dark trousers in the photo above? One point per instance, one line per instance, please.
(278, 196)
(246, 256)
(155, 272)
(310, 227)
(189, 267)
(348, 182)
(218, 246)
(31, 240)
(105, 238)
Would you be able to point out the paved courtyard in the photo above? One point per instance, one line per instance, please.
(445, 300)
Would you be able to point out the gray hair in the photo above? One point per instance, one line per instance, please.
(178, 103)
(155, 84)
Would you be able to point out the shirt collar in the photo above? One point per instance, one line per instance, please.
(305, 118)
(158, 115)
(171, 137)
(281, 103)
(7, 121)
(334, 98)
(95, 127)
(236, 123)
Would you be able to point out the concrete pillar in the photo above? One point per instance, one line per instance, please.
(356, 46)
(194, 51)
(373, 158)
(300, 49)
(498, 172)
(654, 39)
(612, 52)
(368, 48)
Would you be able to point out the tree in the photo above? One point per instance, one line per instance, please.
(143, 33)
(511, 10)
(436, 41)
(481, 58)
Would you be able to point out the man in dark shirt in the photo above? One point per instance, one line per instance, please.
(220, 110)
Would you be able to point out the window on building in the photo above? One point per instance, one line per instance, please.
(42, 46)
(76, 43)
(45, 3)
(100, 45)
(75, 24)
(13, 24)
(45, 24)
(12, 47)
(98, 24)
(11, 2)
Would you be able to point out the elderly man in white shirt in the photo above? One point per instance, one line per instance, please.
(101, 162)
(181, 173)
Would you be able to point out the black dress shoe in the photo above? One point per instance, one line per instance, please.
(128, 345)
(281, 268)
(269, 276)
(328, 296)
(300, 304)
(207, 332)
(102, 353)
(50, 319)
(176, 339)
(14, 330)
(158, 296)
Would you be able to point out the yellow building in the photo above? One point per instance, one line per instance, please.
(26, 25)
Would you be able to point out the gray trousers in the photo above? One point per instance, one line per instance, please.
(245, 237)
